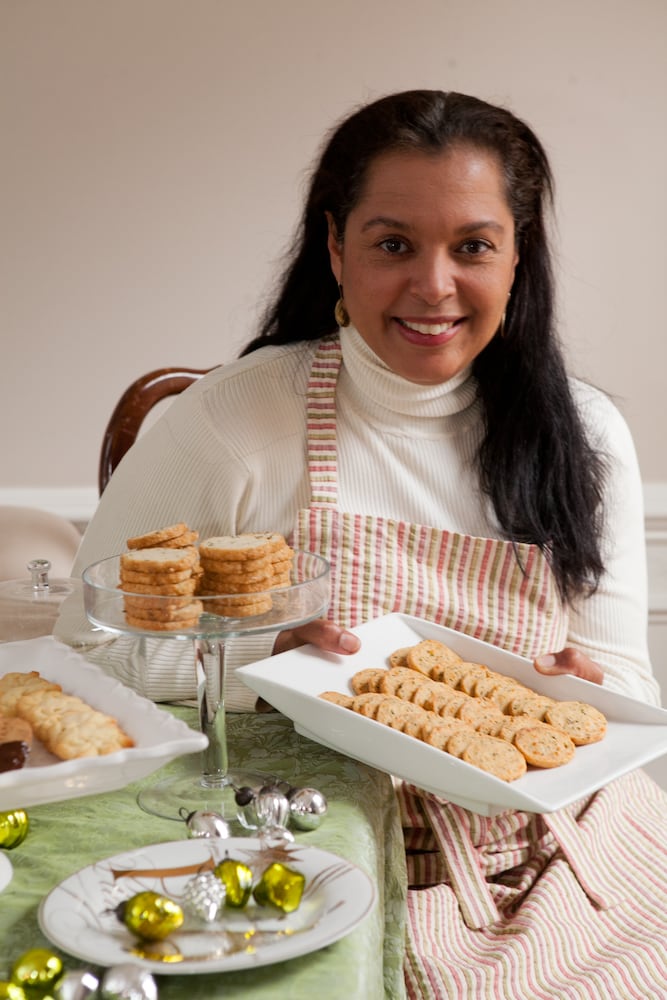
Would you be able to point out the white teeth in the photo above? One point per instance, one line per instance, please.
(430, 329)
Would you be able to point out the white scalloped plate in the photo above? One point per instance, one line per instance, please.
(79, 914)
(157, 735)
(292, 681)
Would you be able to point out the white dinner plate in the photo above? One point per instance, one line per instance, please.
(78, 915)
(157, 735)
(6, 871)
(292, 681)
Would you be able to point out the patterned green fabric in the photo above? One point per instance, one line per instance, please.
(362, 824)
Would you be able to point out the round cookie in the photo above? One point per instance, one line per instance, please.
(497, 757)
(153, 539)
(544, 746)
(583, 723)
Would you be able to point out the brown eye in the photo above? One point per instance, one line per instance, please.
(393, 245)
(475, 247)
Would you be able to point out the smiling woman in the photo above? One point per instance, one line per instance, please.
(427, 260)
(406, 413)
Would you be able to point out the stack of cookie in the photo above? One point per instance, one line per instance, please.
(242, 569)
(66, 725)
(160, 575)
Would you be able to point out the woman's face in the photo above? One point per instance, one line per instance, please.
(427, 260)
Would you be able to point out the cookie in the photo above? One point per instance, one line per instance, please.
(337, 698)
(470, 675)
(583, 723)
(438, 733)
(368, 703)
(14, 729)
(495, 756)
(153, 539)
(544, 746)
(453, 705)
(239, 606)
(177, 589)
(14, 685)
(530, 703)
(409, 686)
(184, 541)
(392, 711)
(155, 625)
(428, 654)
(158, 560)
(399, 657)
(190, 611)
(239, 548)
(460, 740)
(367, 679)
(69, 727)
(482, 715)
(128, 577)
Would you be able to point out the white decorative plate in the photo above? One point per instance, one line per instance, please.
(291, 682)
(5, 871)
(78, 915)
(157, 735)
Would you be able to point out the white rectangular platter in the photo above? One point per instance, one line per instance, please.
(291, 682)
(157, 735)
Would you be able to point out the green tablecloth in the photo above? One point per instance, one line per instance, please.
(362, 825)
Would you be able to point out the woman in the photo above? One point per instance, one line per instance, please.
(455, 472)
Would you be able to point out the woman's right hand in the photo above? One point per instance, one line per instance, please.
(321, 633)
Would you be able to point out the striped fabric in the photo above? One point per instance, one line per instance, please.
(516, 906)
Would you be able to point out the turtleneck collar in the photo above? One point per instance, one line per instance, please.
(381, 389)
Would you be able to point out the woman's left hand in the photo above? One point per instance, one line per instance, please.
(570, 661)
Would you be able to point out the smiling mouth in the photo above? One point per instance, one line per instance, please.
(428, 329)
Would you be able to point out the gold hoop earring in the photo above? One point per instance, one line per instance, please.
(341, 314)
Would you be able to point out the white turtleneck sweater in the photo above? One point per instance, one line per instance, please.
(229, 455)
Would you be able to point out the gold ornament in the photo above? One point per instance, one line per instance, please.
(13, 828)
(150, 916)
(37, 969)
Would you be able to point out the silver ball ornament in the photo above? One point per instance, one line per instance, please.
(272, 807)
(272, 837)
(246, 813)
(308, 807)
(128, 982)
(79, 984)
(206, 824)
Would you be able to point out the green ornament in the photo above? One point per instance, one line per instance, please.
(10, 991)
(36, 971)
(281, 887)
(150, 916)
(13, 828)
(237, 880)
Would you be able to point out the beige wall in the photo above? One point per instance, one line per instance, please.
(154, 153)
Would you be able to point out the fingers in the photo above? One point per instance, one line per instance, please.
(321, 633)
(570, 661)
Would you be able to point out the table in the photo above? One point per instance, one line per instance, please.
(362, 825)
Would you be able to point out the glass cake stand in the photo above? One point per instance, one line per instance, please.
(306, 598)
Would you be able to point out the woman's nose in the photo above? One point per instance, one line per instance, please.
(433, 276)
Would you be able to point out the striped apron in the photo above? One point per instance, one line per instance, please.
(517, 906)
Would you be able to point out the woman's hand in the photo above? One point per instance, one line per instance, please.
(570, 661)
(321, 633)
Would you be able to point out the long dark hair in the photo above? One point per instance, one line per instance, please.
(543, 477)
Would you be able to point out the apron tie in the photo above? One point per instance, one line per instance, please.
(452, 834)
(580, 852)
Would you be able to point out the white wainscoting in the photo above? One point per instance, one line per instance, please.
(78, 505)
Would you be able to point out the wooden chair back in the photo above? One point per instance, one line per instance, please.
(132, 409)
